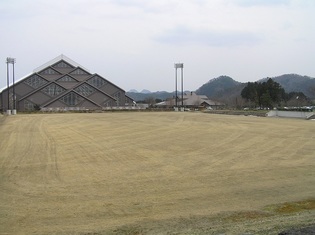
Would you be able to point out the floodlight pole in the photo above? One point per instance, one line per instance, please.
(175, 86)
(182, 70)
(14, 98)
(10, 61)
(8, 83)
(179, 66)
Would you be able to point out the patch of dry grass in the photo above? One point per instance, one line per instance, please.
(293, 207)
(154, 173)
(246, 215)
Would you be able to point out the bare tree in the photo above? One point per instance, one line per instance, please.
(150, 101)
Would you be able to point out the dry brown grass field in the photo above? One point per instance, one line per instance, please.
(155, 173)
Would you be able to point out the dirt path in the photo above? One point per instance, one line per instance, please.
(154, 173)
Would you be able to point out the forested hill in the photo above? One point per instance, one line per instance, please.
(225, 88)
(218, 87)
(139, 96)
(295, 82)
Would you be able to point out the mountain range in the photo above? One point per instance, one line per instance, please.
(225, 88)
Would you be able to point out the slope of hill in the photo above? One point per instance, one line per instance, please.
(295, 82)
(163, 95)
(217, 87)
(225, 87)
(227, 90)
(144, 91)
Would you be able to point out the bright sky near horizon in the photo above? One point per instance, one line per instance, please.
(135, 43)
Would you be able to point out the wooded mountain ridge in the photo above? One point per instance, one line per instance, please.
(225, 88)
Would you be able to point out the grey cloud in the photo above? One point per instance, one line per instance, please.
(186, 36)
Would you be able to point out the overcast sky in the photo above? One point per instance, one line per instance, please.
(135, 43)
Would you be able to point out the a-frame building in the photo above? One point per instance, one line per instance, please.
(63, 84)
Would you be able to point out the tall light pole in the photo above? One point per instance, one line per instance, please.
(8, 90)
(14, 96)
(175, 85)
(10, 61)
(179, 66)
(182, 73)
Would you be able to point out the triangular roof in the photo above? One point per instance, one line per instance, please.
(60, 77)
(57, 59)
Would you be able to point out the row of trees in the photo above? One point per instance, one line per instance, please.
(269, 94)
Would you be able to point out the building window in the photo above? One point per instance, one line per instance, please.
(35, 81)
(71, 99)
(107, 103)
(62, 65)
(79, 72)
(128, 101)
(53, 90)
(29, 106)
(97, 81)
(66, 79)
(48, 71)
(117, 96)
(84, 90)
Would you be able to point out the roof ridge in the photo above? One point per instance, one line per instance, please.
(55, 60)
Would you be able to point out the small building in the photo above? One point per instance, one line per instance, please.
(62, 84)
(191, 100)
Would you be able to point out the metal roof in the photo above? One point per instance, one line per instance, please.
(55, 60)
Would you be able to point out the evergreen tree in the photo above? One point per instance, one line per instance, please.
(264, 95)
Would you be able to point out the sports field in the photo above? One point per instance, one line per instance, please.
(155, 173)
